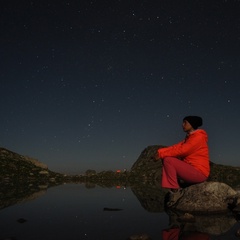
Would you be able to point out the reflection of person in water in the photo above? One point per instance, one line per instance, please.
(187, 160)
(175, 234)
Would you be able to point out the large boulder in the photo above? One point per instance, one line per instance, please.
(146, 166)
(207, 197)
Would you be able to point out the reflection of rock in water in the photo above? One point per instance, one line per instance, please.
(151, 197)
(139, 237)
(211, 224)
(19, 194)
(90, 185)
(215, 225)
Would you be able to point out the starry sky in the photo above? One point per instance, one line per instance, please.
(89, 84)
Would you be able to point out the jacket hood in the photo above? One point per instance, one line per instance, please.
(201, 132)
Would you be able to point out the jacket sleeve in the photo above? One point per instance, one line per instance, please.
(181, 149)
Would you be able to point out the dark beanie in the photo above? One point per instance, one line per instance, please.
(195, 121)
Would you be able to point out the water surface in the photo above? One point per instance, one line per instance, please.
(75, 212)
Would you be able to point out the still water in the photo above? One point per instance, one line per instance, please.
(75, 212)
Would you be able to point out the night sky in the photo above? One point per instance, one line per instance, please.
(90, 84)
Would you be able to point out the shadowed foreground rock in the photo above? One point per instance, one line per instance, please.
(207, 197)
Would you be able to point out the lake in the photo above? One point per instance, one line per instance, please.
(74, 211)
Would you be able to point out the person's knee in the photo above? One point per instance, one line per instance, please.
(168, 160)
(171, 162)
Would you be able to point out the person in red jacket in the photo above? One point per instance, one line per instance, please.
(187, 160)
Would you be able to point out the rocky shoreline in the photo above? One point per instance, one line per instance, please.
(16, 168)
(24, 177)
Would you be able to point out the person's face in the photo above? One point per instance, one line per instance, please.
(187, 127)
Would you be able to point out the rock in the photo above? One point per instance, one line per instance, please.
(18, 170)
(7, 154)
(146, 166)
(44, 172)
(208, 197)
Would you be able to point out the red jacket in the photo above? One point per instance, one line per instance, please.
(193, 150)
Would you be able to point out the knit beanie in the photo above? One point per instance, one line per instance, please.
(195, 121)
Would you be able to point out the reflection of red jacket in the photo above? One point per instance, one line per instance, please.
(171, 234)
(174, 234)
(193, 150)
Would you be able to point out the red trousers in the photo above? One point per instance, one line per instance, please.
(173, 169)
